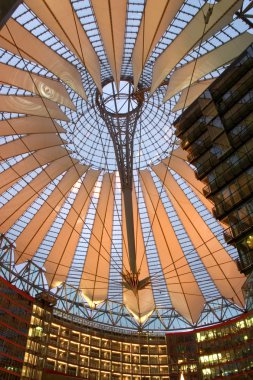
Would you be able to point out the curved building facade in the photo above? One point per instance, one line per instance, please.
(108, 238)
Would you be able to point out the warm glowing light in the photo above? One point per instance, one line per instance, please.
(210, 358)
(140, 318)
(249, 241)
(92, 304)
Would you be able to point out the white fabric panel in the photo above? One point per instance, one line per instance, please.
(191, 93)
(29, 143)
(156, 18)
(61, 255)
(29, 124)
(12, 210)
(45, 87)
(35, 231)
(31, 105)
(31, 48)
(142, 303)
(187, 173)
(95, 278)
(111, 19)
(191, 35)
(179, 153)
(178, 162)
(28, 164)
(227, 278)
(181, 167)
(62, 20)
(195, 70)
(184, 291)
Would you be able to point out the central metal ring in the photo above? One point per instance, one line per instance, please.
(119, 100)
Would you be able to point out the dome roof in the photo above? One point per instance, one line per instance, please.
(97, 197)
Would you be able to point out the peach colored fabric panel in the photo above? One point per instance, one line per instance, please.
(61, 19)
(28, 144)
(205, 64)
(194, 32)
(45, 87)
(184, 291)
(62, 253)
(189, 94)
(142, 303)
(28, 164)
(13, 209)
(94, 282)
(31, 105)
(33, 234)
(111, 19)
(215, 258)
(28, 46)
(156, 18)
(29, 124)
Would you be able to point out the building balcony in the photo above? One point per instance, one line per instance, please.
(238, 229)
(229, 170)
(202, 168)
(191, 115)
(196, 130)
(239, 112)
(234, 94)
(242, 193)
(245, 263)
(241, 134)
(224, 83)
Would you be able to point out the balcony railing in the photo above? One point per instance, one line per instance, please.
(230, 171)
(235, 198)
(239, 228)
(236, 92)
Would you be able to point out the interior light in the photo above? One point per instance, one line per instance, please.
(249, 241)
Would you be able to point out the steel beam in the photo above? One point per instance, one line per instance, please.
(7, 7)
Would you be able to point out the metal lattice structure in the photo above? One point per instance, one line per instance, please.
(98, 202)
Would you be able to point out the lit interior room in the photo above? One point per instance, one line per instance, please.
(126, 182)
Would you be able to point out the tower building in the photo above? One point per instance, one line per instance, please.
(125, 189)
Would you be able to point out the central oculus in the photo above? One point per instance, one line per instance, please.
(120, 99)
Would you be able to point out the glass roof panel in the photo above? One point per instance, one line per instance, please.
(125, 131)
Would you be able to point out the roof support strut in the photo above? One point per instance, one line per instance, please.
(121, 122)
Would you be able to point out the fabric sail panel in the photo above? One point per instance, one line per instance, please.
(155, 20)
(94, 281)
(221, 268)
(207, 63)
(185, 294)
(62, 20)
(29, 143)
(191, 93)
(35, 231)
(28, 125)
(31, 105)
(45, 87)
(180, 166)
(29, 47)
(177, 162)
(195, 31)
(39, 158)
(111, 19)
(62, 253)
(13, 209)
(142, 302)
